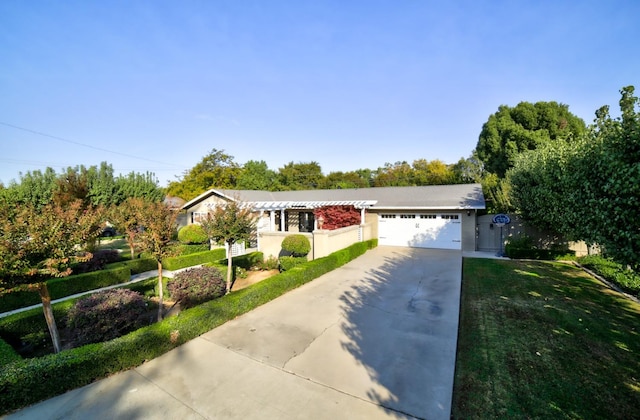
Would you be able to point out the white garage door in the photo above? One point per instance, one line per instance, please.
(420, 230)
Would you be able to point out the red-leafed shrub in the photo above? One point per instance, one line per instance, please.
(197, 285)
(100, 258)
(106, 315)
(336, 217)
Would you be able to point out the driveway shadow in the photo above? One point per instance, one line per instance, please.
(400, 324)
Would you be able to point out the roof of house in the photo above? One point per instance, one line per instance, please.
(430, 197)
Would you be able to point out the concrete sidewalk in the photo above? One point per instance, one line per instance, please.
(374, 339)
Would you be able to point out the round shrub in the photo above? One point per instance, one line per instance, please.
(287, 263)
(298, 245)
(192, 234)
(196, 285)
(105, 315)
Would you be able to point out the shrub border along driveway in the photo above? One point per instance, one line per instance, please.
(28, 381)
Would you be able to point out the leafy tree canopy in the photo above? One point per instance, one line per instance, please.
(527, 126)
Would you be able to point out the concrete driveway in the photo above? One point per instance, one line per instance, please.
(373, 339)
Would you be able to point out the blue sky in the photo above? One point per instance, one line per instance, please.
(156, 85)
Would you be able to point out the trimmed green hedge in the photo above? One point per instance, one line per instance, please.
(523, 247)
(185, 249)
(246, 261)
(7, 354)
(65, 286)
(183, 261)
(29, 381)
(136, 266)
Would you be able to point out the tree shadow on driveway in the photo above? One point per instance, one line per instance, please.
(400, 324)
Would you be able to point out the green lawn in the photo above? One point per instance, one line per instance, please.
(544, 340)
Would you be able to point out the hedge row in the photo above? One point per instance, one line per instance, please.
(28, 381)
(7, 354)
(66, 286)
(136, 266)
(183, 261)
(115, 273)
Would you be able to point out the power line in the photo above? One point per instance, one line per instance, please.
(87, 145)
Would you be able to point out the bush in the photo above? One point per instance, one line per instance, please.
(192, 234)
(98, 261)
(197, 285)
(106, 315)
(288, 262)
(137, 266)
(176, 263)
(627, 279)
(523, 247)
(246, 261)
(297, 245)
(7, 354)
(21, 383)
(66, 286)
(186, 249)
(270, 263)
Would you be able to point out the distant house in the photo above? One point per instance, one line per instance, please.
(435, 216)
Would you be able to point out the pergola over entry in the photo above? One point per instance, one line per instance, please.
(274, 206)
(283, 205)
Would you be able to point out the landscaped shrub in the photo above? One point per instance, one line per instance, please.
(616, 273)
(106, 315)
(98, 261)
(523, 247)
(27, 331)
(176, 263)
(288, 262)
(22, 384)
(297, 245)
(7, 354)
(66, 286)
(192, 234)
(186, 249)
(246, 261)
(197, 285)
(270, 263)
(136, 266)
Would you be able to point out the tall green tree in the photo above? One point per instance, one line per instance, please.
(37, 244)
(230, 223)
(158, 228)
(527, 126)
(300, 176)
(342, 180)
(215, 170)
(256, 175)
(399, 174)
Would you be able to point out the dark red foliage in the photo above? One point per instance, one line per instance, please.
(98, 261)
(106, 315)
(336, 217)
(197, 285)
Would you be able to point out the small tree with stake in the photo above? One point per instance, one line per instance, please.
(229, 223)
(158, 227)
(38, 244)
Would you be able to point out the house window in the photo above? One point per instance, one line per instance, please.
(197, 217)
(427, 216)
(450, 216)
(305, 221)
(388, 216)
(407, 216)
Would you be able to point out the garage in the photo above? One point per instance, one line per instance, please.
(442, 230)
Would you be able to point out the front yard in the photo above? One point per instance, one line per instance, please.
(544, 340)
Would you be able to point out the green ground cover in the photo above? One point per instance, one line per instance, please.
(544, 340)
